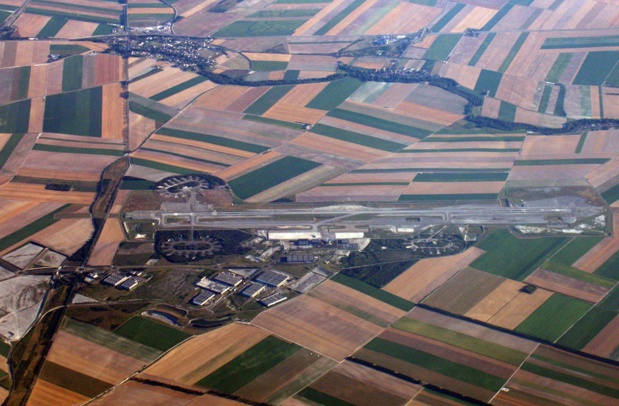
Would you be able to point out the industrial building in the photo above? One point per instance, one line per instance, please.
(202, 298)
(273, 299)
(213, 286)
(253, 290)
(272, 278)
(229, 278)
(115, 279)
(129, 284)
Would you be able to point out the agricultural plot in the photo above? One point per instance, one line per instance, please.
(512, 257)
(452, 354)
(71, 373)
(151, 334)
(356, 384)
(148, 13)
(551, 375)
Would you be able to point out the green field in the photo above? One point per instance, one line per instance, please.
(437, 364)
(267, 100)
(467, 342)
(610, 268)
(560, 106)
(575, 249)
(376, 293)
(442, 47)
(488, 81)
(434, 151)
(8, 148)
(76, 113)
(22, 80)
(162, 167)
(52, 27)
(448, 197)
(574, 377)
(541, 162)
(558, 68)
(321, 398)
(63, 17)
(613, 78)
(356, 138)
(482, 48)
(72, 73)
(611, 300)
(249, 365)
(213, 139)
(270, 175)
(259, 28)
(587, 328)
(611, 195)
(543, 104)
(498, 138)
(507, 111)
(581, 142)
(74, 150)
(596, 68)
(339, 17)
(513, 52)
(440, 24)
(497, 17)
(461, 177)
(379, 123)
(110, 340)
(4, 348)
(554, 317)
(178, 88)
(103, 29)
(67, 49)
(15, 117)
(581, 42)
(512, 257)
(268, 66)
(151, 333)
(334, 94)
(31, 229)
(266, 120)
(150, 108)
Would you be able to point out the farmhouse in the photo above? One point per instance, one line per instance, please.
(273, 299)
(202, 298)
(253, 290)
(272, 278)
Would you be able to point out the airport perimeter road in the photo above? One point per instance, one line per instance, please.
(311, 219)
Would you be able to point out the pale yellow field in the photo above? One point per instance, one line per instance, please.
(66, 235)
(76, 29)
(113, 118)
(294, 114)
(317, 17)
(428, 274)
(476, 18)
(339, 27)
(45, 394)
(29, 25)
(255, 162)
(204, 354)
(33, 192)
(495, 301)
(519, 308)
(601, 252)
(405, 18)
(105, 247)
(268, 57)
(421, 112)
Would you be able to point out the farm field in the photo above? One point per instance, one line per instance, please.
(301, 104)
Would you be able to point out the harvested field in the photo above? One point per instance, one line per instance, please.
(554, 376)
(361, 193)
(464, 291)
(66, 235)
(202, 355)
(90, 359)
(568, 286)
(34, 192)
(606, 341)
(428, 274)
(45, 393)
(134, 393)
(405, 18)
(360, 385)
(105, 247)
(519, 308)
(318, 326)
(495, 301)
(600, 253)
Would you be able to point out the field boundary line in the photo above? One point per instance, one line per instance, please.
(514, 373)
